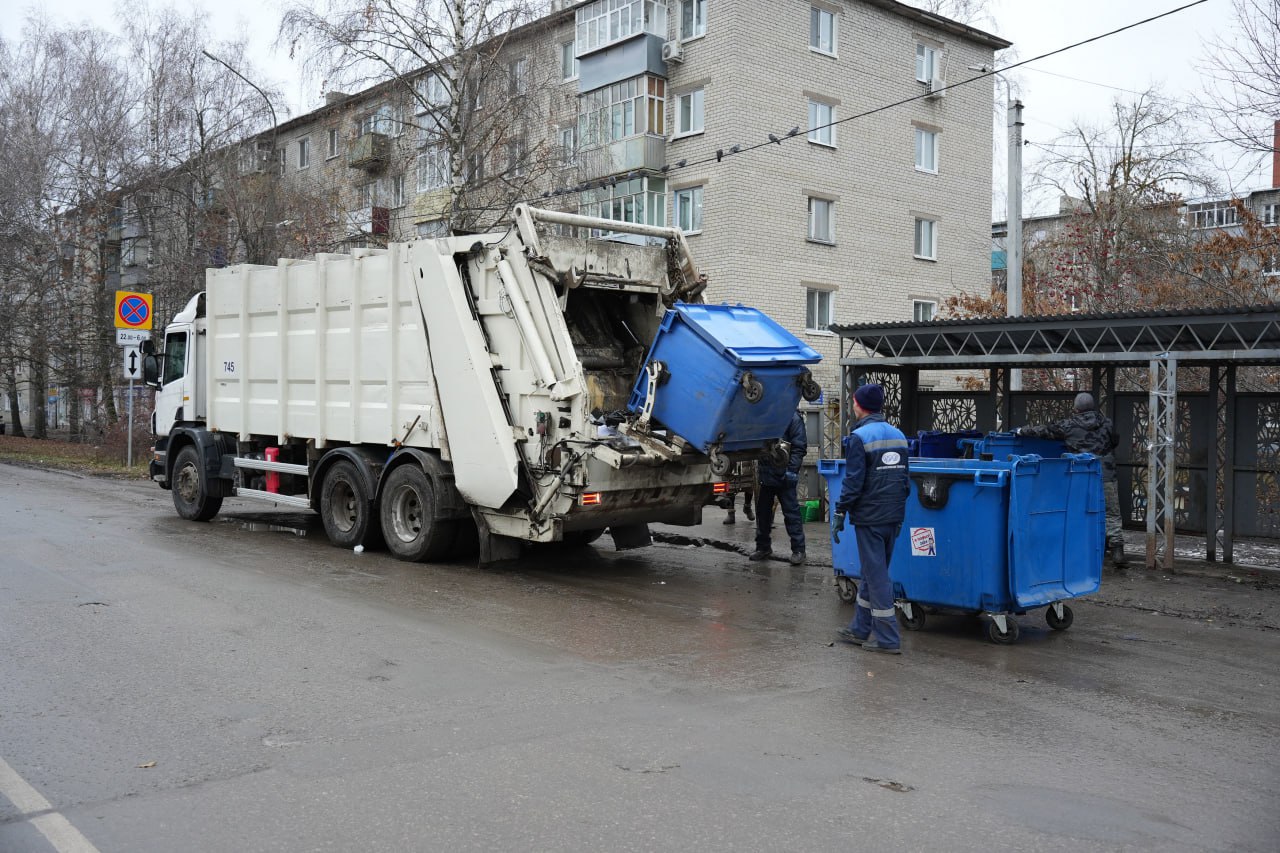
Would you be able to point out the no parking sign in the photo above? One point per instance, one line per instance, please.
(133, 310)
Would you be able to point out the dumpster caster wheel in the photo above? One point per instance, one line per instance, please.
(720, 464)
(1056, 622)
(914, 621)
(846, 589)
(1006, 637)
(809, 389)
(752, 388)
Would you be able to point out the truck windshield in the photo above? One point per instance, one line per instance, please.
(175, 357)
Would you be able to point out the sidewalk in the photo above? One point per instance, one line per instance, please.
(740, 538)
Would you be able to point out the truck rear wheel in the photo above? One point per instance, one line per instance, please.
(410, 522)
(191, 496)
(345, 507)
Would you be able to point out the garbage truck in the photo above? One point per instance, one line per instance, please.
(442, 392)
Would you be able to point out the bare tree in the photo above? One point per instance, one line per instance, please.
(964, 11)
(1124, 182)
(1242, 77)
(474, 106)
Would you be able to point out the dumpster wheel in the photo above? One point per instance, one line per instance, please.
(846, 589)
(809, 388)
(1059, 621)
(752, 388)
(1007, 636)
(911, 616)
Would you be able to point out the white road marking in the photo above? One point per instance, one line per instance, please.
(64, 837)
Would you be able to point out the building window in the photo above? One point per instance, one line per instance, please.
(822, 225)
(433, 168)
(519, 71)
(926, 63)
(397, 191)
(304, 153)
(607, 21)
(693, 18)
(475, 169)
(926, 150)
(433, 228)
(568, 61)
(1221, 214)
(821, 123)
(516, 156)
(822, 30)
(624, 109)
(926, 239)
(689, 112)
(569, 144)
(1271, 214)
(687, 212)
(1271, 264)
(333, 142)
(639, 200)
(923, 311)
(367, 194)
(433, 94)
(819, 310)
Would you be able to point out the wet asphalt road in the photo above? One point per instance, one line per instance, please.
(170, 686)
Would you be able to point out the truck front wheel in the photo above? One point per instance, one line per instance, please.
(191, 496)
(345, 506)
(410, 523)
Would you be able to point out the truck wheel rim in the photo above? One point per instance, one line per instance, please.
(344, 506)
(406, 514)
(188, 483)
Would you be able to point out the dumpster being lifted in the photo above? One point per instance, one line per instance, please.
(992, 538)
(726, 379)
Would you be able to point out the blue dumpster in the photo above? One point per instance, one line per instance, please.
(1002, 445)
(944, 445)
(731, 377)
(992, 538)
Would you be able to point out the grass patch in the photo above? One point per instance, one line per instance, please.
(98, 460)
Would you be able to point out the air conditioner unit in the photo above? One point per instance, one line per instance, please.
(672, 52)
(937, 88)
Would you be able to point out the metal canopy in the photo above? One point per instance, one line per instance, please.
(1239, 335)
(1221, 340)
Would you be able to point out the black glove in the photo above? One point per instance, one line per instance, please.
(835, 531)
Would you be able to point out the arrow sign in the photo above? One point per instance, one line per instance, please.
(132, 363)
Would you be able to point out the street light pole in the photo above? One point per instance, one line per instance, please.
(1013, 210)
(1013, 247)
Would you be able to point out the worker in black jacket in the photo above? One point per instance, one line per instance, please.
(1089, 431)
(780, 481)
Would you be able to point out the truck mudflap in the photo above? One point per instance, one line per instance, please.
(215, 452)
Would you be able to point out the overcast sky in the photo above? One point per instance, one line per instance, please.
(1078, 85)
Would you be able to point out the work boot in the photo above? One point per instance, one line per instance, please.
(730, 518)
(847, 636)
(797, 558)
(760, 555)
(1117, 554)
(748, 511)
(872, 646)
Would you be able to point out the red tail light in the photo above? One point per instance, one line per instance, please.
(590, 499)
(719, 488)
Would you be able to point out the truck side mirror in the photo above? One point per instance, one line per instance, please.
(146, 346)
(151, 370)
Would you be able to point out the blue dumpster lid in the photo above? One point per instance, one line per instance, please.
(746, 334)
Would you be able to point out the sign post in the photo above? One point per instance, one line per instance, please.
(133, 320)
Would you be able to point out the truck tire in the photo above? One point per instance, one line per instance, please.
(345, 507)
(411, 524)
(191, 496)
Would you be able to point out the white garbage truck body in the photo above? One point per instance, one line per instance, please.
(433, 392)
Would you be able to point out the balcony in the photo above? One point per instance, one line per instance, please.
(370, 152)
(636, 153)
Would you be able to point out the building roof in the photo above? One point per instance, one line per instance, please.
(1244, 335)
(944, 24)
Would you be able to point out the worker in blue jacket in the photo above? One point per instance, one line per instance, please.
(874, 497)
(780, 481)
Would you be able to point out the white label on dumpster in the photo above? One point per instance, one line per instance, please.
(923, 542)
